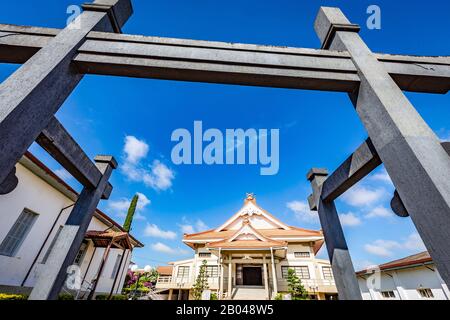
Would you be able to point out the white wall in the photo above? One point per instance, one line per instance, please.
(405, 282)
(38, 196)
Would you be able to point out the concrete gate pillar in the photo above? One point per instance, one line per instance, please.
(54, 273)
(412, 154)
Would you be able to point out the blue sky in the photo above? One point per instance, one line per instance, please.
(317, 129)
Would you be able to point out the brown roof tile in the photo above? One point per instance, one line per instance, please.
(164, 270)
(246, 244)
(418, 258)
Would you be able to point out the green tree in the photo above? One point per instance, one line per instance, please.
(296, 289)
(201, 283)
(130, 214)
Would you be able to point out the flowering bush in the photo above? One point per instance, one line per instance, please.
(140, 281)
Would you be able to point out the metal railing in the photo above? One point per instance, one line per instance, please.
(185, 281)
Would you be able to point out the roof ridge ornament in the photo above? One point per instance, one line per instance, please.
(250, 196)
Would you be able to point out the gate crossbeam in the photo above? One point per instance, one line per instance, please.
(63, 148)
(219, 62)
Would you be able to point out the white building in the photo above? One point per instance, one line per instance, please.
(31, 217)
(248, 257)
(411, 278)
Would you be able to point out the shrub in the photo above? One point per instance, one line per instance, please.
(296, 289)
(213, 296)
(114, 297)
(66, 296)
(279, 296)
(201, 284)
(8, 296)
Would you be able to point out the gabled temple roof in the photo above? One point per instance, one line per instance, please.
(253, 227)
(292, 232)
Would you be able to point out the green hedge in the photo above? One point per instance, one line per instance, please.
(66, 296)
(279, 296)
(8, 296)
(114, 297)
(139, 290)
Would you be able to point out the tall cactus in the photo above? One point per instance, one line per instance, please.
(130, 214)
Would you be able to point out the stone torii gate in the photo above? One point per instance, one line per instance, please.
(54, 62)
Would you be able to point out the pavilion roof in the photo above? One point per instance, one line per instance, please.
(102, 239)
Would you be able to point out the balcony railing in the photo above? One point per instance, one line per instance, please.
(184, 282)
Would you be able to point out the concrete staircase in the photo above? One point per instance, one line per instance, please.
(249, 293)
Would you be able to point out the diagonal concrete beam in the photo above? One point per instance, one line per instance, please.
(218, 62)
(363, 161)
(64, 149)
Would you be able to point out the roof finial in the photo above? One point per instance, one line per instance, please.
(250, 197)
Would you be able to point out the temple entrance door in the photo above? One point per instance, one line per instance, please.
(252, 276)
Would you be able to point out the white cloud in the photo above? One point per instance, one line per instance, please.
(152, 230)
(302, 211)
(381, 176)
(349, 219)
(379, 212)
(201, 226)
(414, 243)
(143, 201)
(161, 247)
(364, 264)
(121, 206)
(382, 248)
(160, 177)
(187, 227)
(444, 135)
(386, 248)
(135, 149)
(157, 176)
(362, 196)
(63, 174)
